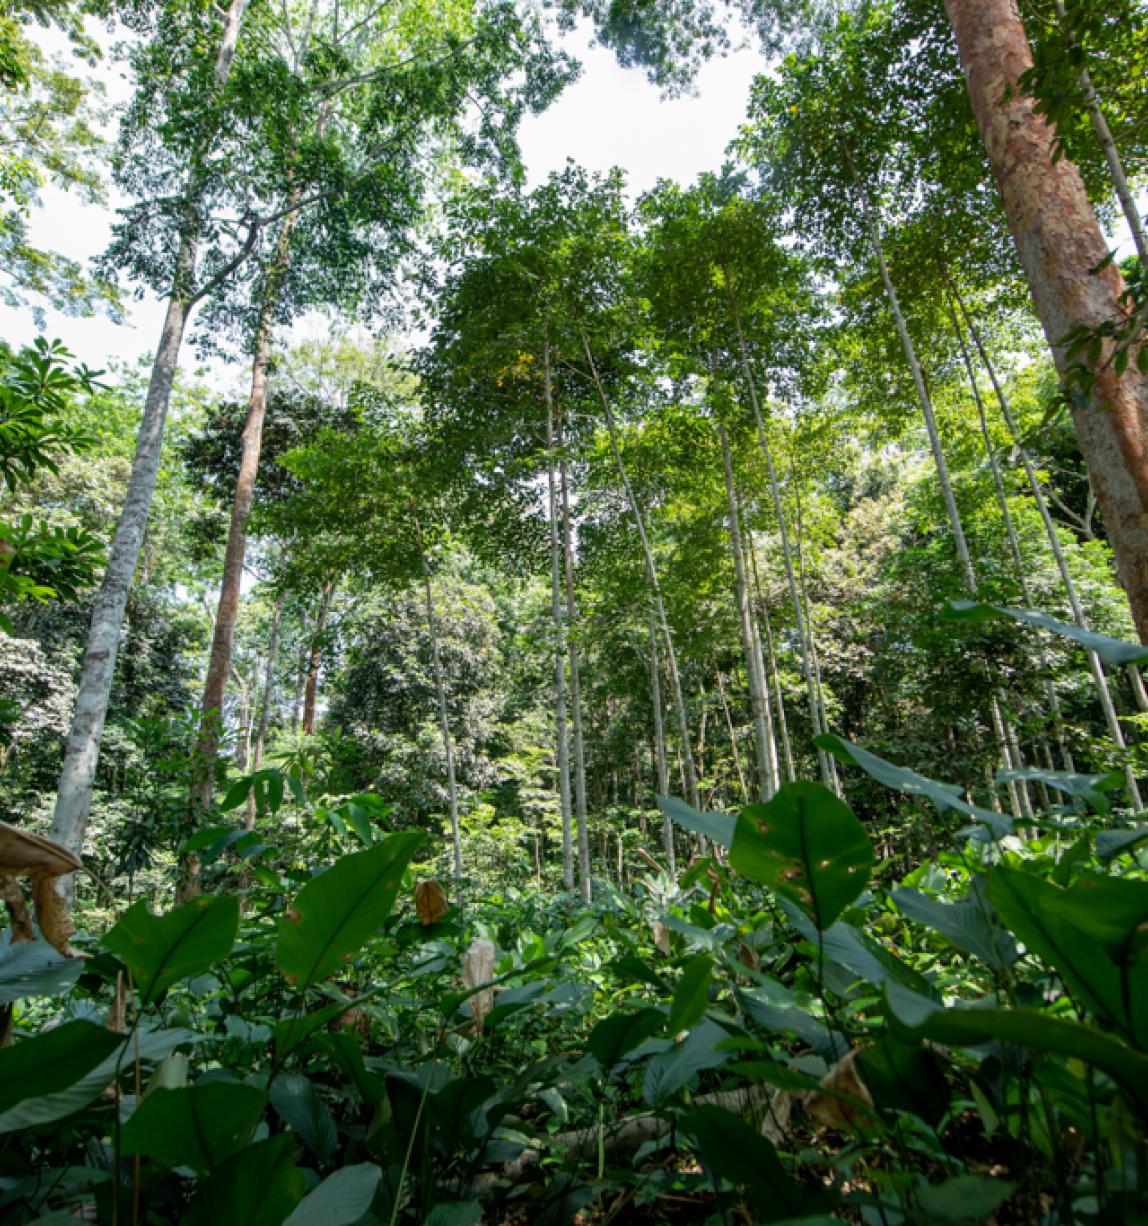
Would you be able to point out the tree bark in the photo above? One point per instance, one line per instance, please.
(315, 658)
(227, 612)
(82, 752)
(660, 744)
(265, 702)
(1061, 247)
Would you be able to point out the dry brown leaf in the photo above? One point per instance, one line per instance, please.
(13, 897)
(662, 938)
(53, 916)
(29, 855)
(836, 1112)
(430, 902)
(478, 967)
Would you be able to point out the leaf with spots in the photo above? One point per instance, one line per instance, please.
(808, 846)
(334, 914)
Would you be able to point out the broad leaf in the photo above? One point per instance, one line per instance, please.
(259, 1186)
(334, 914)
(808, 846)
(905, 1077)
(668, 1071)
(1112, 651)
(945, 796)
(34, 968)
(53, 1061)
(198, 1126)
(717, 827)
(971, 924)
(692, 994)
(620, 1033)
(297, 1103)
(1092, 789)
(160, 950)
(964, 1198)
(342, 1199)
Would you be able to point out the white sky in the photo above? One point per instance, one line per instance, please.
(609, 117)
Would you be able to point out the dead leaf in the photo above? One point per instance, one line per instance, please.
(53, 916)
(837, 1112)
(28, 855)
(430, 902)
(13, 897)
(478, 967)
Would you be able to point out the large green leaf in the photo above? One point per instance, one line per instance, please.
(1112, 651)
(620, 1033)
(905, 1077)
(669, 1070)
(964, 1198)
(259, 1186)
(1092, 789)
(298, 1105)
(808, 846)
(971, 924)
(922, 1018)
(342, 1199)
(717, 827)
(160, 950)
(945, 796)
(52, 1061)
(46, 1108)
(198, 1126)
(34, 968)
(741, 1154)
(334, 914)
(692, 995)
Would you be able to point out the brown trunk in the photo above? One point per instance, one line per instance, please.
(1060, 242)
(312, 683)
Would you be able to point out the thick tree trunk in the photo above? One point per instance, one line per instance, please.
(689, 766)
(443, 708)
(315, 659)
(251, 444)
(574, 657)
(558, 630)
(81, 755)
(764, 744)
(1061, 247)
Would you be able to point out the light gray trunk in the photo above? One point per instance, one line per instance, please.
(742, 787)
(660, 743)
(558, 629)
(265, 703)
(82, 750)
(764, 745)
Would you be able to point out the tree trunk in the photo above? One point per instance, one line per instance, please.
(443, 709)
(1061, 248)
(227, 612)
(766, 755)
(81, 755)
(315, 658)
(775, 679)
(558, 629)
(573, 654)
(743, 789)
(660, 744)
(655, 586)
(265, 703)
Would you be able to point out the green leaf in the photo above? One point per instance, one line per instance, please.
(259, 1186)
(297, 1028)
(971, 1027)
(1112, 651)
(198, 1126)
(342, 1199)
(52, 1061)
(717, 827)
(46, 1108)
(692, 994)
(944, 795)
(669, 1070)
(905, 1077)
(971, 924)
(740, 1154)
(620, 1033)
(808, 846)
(298, 1105)
(964, 1198)
(1089, 788)
(334, 914)
(1112, 843)
(34, 968)
(160, 950)
(454, 1213)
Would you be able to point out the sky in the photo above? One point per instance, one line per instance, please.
(609, 117)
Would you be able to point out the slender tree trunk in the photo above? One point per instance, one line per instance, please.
(440, 693)
(782, 721)
(81, 755)
(251, 443)
(652, 580)
(660, 743)
(1095, 667)
(574, 656)
(558, 629)
(1018, 796)
(743, 789)
(816, 714)
(764, 744)
(265, 702)
(1062, 249)
(315, 659)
